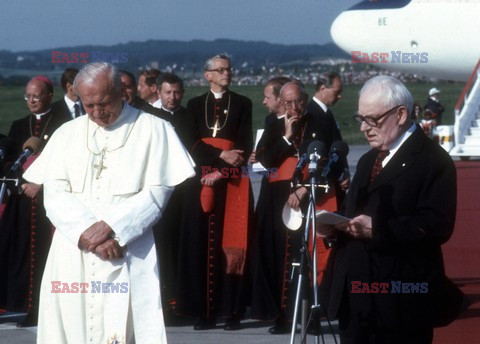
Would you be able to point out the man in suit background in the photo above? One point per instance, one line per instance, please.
(386, 283)
(328, 91)
(129, 94)
(70, 105)
(149, 87)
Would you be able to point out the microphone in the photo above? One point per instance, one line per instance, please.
(338, 150)
(316, 150)
(31, 146)
(297, 174)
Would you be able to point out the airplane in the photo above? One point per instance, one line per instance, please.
(442, 35)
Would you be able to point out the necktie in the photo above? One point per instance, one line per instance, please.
(76, 108)
(377, 165)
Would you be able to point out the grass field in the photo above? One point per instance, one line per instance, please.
(12, 105)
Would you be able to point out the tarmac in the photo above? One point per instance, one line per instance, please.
(251, 331)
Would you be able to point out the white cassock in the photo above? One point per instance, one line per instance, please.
(143, 159)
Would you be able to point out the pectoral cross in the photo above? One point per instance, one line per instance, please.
(100, 166)
(215, 128)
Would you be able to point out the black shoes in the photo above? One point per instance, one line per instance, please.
(281, 327)
(29, 321)
(232, 324)
(205, 324)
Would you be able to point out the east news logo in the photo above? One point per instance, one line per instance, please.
(394, 287)
(396, 57)
(93, 287)
(94, 56)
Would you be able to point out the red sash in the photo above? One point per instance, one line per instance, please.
(235, 225)
(325, 202)
(286, 170)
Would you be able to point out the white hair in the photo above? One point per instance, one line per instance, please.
(209, 63)
(92, 71)
(389, 91)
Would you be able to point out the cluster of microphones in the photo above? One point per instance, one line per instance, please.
(7, 148)
(322, 165)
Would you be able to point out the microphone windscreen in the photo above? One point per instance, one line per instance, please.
(339, 147)
(318, 147)
(33, 143)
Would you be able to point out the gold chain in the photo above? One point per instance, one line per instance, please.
(206, 113)
(104, 149)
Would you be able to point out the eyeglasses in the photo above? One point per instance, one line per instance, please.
(289, 103)
(221, 70)
(33, 97)
(373, 121)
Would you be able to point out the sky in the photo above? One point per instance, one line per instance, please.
(45, 24)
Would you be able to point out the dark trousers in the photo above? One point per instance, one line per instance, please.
(355, 331)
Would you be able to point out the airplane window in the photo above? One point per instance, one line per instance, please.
(379, 4)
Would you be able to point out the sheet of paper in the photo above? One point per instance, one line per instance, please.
(328, 218)
(258, 167)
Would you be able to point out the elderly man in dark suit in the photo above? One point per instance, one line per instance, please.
(387, 282)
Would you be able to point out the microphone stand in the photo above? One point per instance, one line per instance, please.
(3, 188)
(305, 257)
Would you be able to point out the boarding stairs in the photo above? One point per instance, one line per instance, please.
(467, 119)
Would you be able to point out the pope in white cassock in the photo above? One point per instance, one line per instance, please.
(107, 179)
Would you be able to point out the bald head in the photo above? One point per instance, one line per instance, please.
(38, 95)
(293, 98)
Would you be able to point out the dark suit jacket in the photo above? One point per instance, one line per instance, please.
(60, 107)
(177, 120)
(143, 105)
(324, 122)
(412, 203)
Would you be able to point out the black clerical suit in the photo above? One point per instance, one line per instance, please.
(276, 247)
(412, 203)
(205, 289)
(25, 233)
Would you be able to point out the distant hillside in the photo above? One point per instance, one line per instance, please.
(165, 53)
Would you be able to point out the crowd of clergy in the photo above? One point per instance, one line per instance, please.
(220, 257)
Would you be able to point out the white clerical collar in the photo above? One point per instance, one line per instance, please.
(281, 116)
(398, 143)
(321, 104)
(157, 103)
(218, 95)
(39, 115)
(169, 111)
